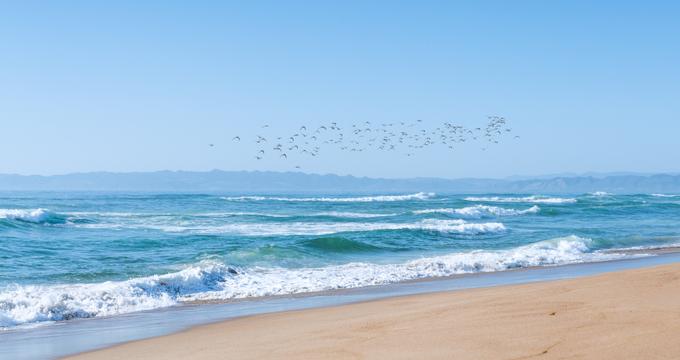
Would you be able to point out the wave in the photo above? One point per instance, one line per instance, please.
(311, 228)
(305, 228)
(22, 304)
(338, 245)
(665, 195)
(351, 215)
(527, 199)
(35, 216)
(479, 211)
(601, 193)
(416, 196)
(337, 214)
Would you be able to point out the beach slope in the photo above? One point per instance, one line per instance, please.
(632, 314)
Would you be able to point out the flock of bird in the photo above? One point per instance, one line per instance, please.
(406, 138)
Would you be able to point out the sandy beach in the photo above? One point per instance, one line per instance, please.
(633, 314)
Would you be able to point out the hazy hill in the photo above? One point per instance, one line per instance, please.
(296, 182)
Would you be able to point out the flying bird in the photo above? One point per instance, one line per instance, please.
(393, 137)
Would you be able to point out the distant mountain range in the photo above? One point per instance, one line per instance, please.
(246, 182)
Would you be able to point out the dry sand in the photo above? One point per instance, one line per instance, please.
(631, 314)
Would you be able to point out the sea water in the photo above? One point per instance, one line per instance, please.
(79, 255)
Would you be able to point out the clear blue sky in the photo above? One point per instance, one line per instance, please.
(122, 86)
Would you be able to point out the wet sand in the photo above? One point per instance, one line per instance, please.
(632, 314)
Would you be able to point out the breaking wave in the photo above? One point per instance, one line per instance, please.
(600, 194)
(527, 199)
(35, 216)
(352, 215)
(305, 228)
(312, 228)
(416, 196)
(479, 211)
(23, 304)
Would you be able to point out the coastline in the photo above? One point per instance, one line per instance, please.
(61, 339)
(610, 315)
(536, 278)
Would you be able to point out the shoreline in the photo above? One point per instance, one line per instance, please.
(623, 314)
(83, 335)
(642, 252)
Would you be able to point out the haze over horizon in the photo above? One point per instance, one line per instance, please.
(296, 171)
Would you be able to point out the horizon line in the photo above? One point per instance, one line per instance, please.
(508, 178)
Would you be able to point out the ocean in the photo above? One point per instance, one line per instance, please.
(75, 255)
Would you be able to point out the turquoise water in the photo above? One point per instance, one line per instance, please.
(77, 255)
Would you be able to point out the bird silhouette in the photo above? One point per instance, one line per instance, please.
(407, 138)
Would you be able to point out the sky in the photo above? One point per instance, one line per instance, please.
(143, 86)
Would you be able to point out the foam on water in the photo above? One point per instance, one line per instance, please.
(479, 211)
(416, 196)
(601, 193)
(352, 215)
(665, 195)
(337, 214)
(215, 281)
(159, 250)
(527, 199)
(37, 216)
(306, 228)
(310, 228)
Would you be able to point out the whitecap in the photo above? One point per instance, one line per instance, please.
(28, 215)
(22, 304)
(377, 198)
(352, 215)
(527, 199)
(600, 194)
(478, 211)
(307, 228)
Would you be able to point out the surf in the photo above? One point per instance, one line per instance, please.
(24, 304)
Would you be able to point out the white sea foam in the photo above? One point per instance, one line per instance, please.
(27, 215)
(527, 199)
(352, 215)
(377, 198)
(213, 281)
(601, 193)
(306, 228)
(338, 214)
(242, 213)
(309, 228)
(665, 195)
(111, 214)
(479, 211)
